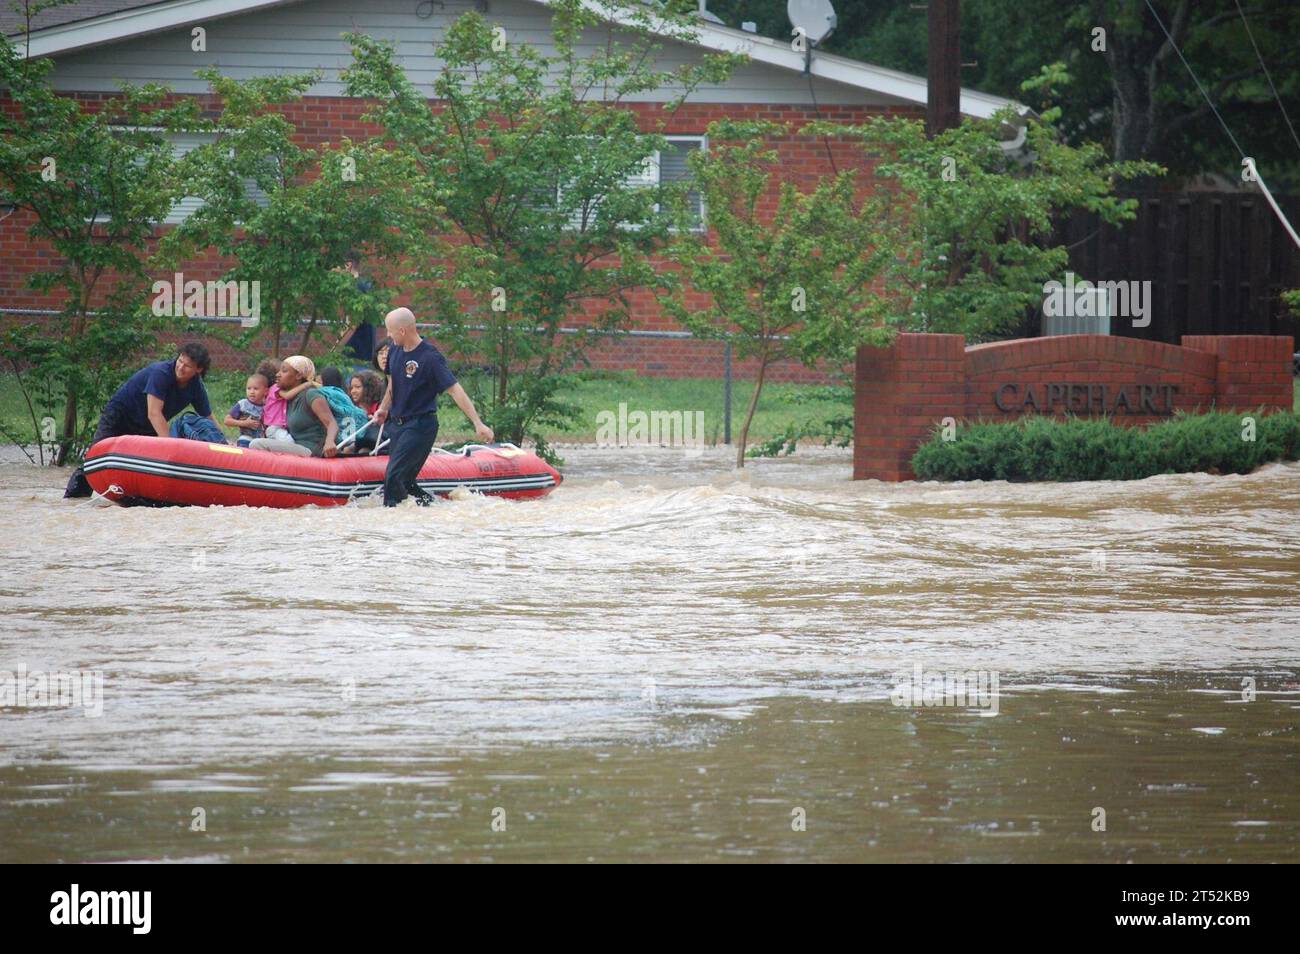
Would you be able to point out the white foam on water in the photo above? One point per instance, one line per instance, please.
(646, 588)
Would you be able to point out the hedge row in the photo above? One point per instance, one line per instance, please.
(1044, 448)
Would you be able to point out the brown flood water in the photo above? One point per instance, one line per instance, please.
(662, 661)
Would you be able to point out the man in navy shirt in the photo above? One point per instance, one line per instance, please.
(148, 399)
(417, 374)
(360, 347)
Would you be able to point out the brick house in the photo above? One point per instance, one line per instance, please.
(98, 43)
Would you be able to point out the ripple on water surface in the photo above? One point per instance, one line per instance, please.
(651, 584)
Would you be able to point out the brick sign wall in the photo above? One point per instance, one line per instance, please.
(905, 390)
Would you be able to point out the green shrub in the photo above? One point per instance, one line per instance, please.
(1044, 448)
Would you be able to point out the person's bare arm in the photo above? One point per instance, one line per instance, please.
(155, 405)
(381, 415)
(297, 389)
(466, 405)
(321, 408)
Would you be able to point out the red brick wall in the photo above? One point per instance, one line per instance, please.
(903, 391)
(328, 119)
(651, 357)
(900, 393)
(1253, 370)
(695, 358)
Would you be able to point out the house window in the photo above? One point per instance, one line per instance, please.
(647, 176)
(673, 168)
(183, 143)
(660, 167)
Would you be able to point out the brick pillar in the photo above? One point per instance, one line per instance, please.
(1253, 370)
(900, 393)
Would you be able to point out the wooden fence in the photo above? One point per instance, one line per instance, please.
(1217, 262)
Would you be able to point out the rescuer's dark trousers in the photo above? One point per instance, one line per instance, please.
(407, 453)
(112, 423)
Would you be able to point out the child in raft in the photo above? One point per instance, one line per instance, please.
(275, 412)
(246, 414)
(366, 389)
(330, 378)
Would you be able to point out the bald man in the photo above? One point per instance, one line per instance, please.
(417, 374)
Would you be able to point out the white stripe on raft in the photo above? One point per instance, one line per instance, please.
(303, 485)
(195, 473)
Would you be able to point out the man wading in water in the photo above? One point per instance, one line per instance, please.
(417, 374)
(151, 396)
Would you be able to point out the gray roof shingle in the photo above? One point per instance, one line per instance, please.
(12, 23)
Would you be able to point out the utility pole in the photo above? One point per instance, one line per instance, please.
(943, 85)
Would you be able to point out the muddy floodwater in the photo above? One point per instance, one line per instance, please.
(662, 660)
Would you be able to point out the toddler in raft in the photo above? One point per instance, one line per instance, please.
(275, 412)
(246, 414)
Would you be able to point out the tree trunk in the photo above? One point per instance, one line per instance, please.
(749, 413)
(306, 335)
(503, 368)
(1137, 64)
(69, 431)
(70, 405)
(1134, 108)
(278, 325)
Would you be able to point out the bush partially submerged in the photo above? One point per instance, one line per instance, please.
(1043, 448)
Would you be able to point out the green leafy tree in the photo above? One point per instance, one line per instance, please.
(1292, 300)
(975, 252)
(93, 185)
(540, 171)
(287, 214)
(791, 284)
(1133, 95)
(1155, 109)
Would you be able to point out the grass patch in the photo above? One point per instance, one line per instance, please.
(781, 408)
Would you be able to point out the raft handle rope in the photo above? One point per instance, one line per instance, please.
(466, 449)
(355, 434)
(380, 443)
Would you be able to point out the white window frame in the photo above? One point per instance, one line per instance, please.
(703, 140)
(176, 216)
(654, 164)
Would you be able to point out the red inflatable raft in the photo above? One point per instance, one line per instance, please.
(167, 470)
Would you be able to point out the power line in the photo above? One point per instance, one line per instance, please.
(1267, 75)
(1192, 73)
(1249, 162)
(817, 110)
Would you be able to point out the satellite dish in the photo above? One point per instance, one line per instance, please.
(815, 17)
